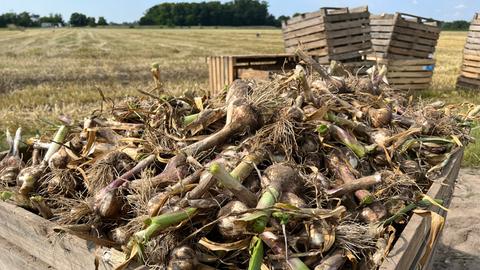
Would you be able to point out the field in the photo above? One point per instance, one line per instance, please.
(45, 72)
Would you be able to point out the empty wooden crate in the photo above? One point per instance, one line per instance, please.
(409, 74)
(223, 70)
(470, 74)
(403, 36)
(331, 33)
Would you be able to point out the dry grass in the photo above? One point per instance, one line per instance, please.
(44, 73)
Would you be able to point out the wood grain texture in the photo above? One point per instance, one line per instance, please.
(34, 236)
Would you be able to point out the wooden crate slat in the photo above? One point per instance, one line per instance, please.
(400, 74)
(384, 29)
(468, 83)
(416, 39)
(412, 46)
(306, 39)
(472, 46)
(302, 32)
(38, 239)
(471, 63)
(474, 28)
(319, 45)
(421, 86)
(406, 68)
(346, 25)
(473, 40)
(346, 17)
(418, 26)
(315, 22)
(13, 257)
(407, 52)
(473, 34)
(409, 80)
(304, 16)
(471, 69)
(350, 32)
(471, 52)
(470, 75)
(346, 40)
(350, 48)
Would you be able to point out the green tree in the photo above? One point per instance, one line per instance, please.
(91, 22)
(23, 19)
(102, 21)
(52, 18)
(78, 19)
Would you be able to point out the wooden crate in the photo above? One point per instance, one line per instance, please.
(330, 33)
(28, 241)
(470, 71)
(409, 74)
(403, 36)
(223, 70)
(411, 246)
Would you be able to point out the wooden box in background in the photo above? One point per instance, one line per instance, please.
(403, 36)
(340, 34)
(470, 74)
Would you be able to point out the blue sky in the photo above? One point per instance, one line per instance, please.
(131, 10)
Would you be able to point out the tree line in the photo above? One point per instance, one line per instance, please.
(26, 19)
(456, 25)
(233, 13)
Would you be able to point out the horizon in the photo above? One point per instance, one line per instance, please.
(130, 11)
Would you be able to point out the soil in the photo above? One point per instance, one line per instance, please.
(459, 245)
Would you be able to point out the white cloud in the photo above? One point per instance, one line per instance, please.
(460, 6)
(414, 2)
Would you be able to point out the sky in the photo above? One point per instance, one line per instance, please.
(131, 10)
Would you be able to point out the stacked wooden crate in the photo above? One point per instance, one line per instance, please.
(470, 74)
(405, 43)
(340, 34)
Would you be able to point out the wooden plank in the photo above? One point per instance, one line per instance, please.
(382, 22)
(35, 236)
(471, 52)
(217, 79)
(380, 36)
(346, 17)
(350, 48)
(346, 25)
(410, 62)
(473, 40)
(13, 257)
(473, 34)
(306, 39)
(418, 26)
(406, 68)
(471, 69)
(422, 86)
(386, 29)
(416, 33)
(304, 16)
(470, 75)
(424, 74)
(303, 32)
(409, 80)
(407, 52)
(471, 63)
(315, 22)
(416, 39)
(468, 83)
(472, 46)
(211, 75)
(231, 75)
(412, 46)
(411, 242)
(319, 44)
(345, 56)
(474, 28)
(348, 32)
(348, 40)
